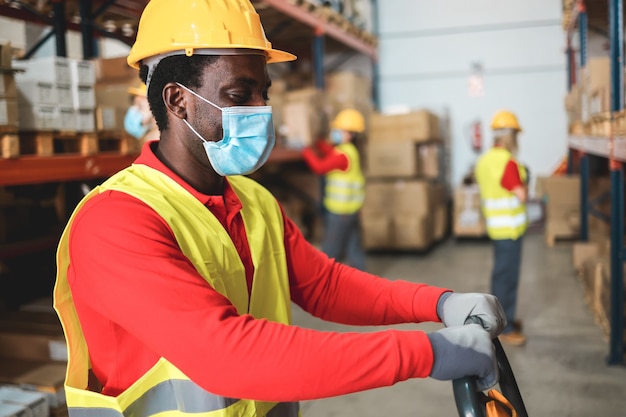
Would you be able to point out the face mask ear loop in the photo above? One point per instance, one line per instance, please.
(200, 97)
(194, 131)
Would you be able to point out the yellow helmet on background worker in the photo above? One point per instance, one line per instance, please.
(138, 91)
(505, 119)
(205, 27)
(349, 119)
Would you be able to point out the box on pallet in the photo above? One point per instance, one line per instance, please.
(468, 220)
(33, 92)
(51, 69)
(82, 72)
(377, 230)
(392, 159)
(304, 117)
(416, 126)
(83, 97)
(115, 71)
(413, 231)
(85, 120)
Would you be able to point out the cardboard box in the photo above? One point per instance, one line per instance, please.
(416, 126)
(14, 410)
(466, 197)
(582, 251)
(83, 97)
(303, 123)
(430, 161)
(32, 93)
(67, 119)
(393, 159)
(114, 71)
(51, 69)
(39, 117)
(83, 72)
(46, 379)
(412, 197)
(377, 230)
(412, 231)
(469, 223)
(379, 195)
(32, 336)
(85, 120)
(65, 95)
(113, 95)
(348, 86)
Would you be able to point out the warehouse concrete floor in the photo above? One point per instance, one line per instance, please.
(561, 371)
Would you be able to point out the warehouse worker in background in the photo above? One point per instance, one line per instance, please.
(503, 184)
(175, 277)
(138, 120)
(344, 187)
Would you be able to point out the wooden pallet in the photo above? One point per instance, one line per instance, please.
(51, 143)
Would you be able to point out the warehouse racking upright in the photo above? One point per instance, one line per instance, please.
(611, 147)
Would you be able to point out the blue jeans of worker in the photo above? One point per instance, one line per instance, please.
(505, 276)
(342, 239)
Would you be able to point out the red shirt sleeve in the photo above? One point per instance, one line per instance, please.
(329, 161)
(139, 298)
(511, 178)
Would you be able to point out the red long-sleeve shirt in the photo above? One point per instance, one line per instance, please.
(138, 299)
(329, 160)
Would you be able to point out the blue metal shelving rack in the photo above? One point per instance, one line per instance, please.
(614, 149)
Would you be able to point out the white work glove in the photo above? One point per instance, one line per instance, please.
(462, 351)
(455, 310)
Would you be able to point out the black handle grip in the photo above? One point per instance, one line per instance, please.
(470, 402)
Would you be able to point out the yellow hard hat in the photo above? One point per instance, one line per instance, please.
(505, 119)
(168, 26)
(138, 91)
(349, 119)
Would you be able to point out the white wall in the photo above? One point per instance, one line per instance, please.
(427, 49)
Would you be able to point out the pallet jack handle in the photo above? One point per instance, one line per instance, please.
(470, 402)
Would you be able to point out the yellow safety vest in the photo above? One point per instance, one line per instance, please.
(505, 214)
(345, 190)
(165, 390)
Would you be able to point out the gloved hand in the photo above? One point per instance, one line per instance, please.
(455, 308)
(462, 351)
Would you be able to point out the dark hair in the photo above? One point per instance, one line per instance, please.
(183, 69)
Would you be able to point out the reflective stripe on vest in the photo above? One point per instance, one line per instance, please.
(505, 214)
(164, 389)
(345, 190)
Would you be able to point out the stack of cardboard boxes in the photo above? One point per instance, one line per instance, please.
(303, 114)
(33, 361)
(587, 104)
(9, 119)
(405, 197)
(56, 94)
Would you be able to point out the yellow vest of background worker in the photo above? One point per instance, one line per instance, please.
(345, 190)
(505, 214)
(165, 390)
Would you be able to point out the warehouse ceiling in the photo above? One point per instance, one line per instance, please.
(119, 19)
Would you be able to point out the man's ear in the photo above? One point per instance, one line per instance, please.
(175, 100)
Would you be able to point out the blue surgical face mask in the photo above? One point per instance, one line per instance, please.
(336, 137)
(133, 122)
(249, 138)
